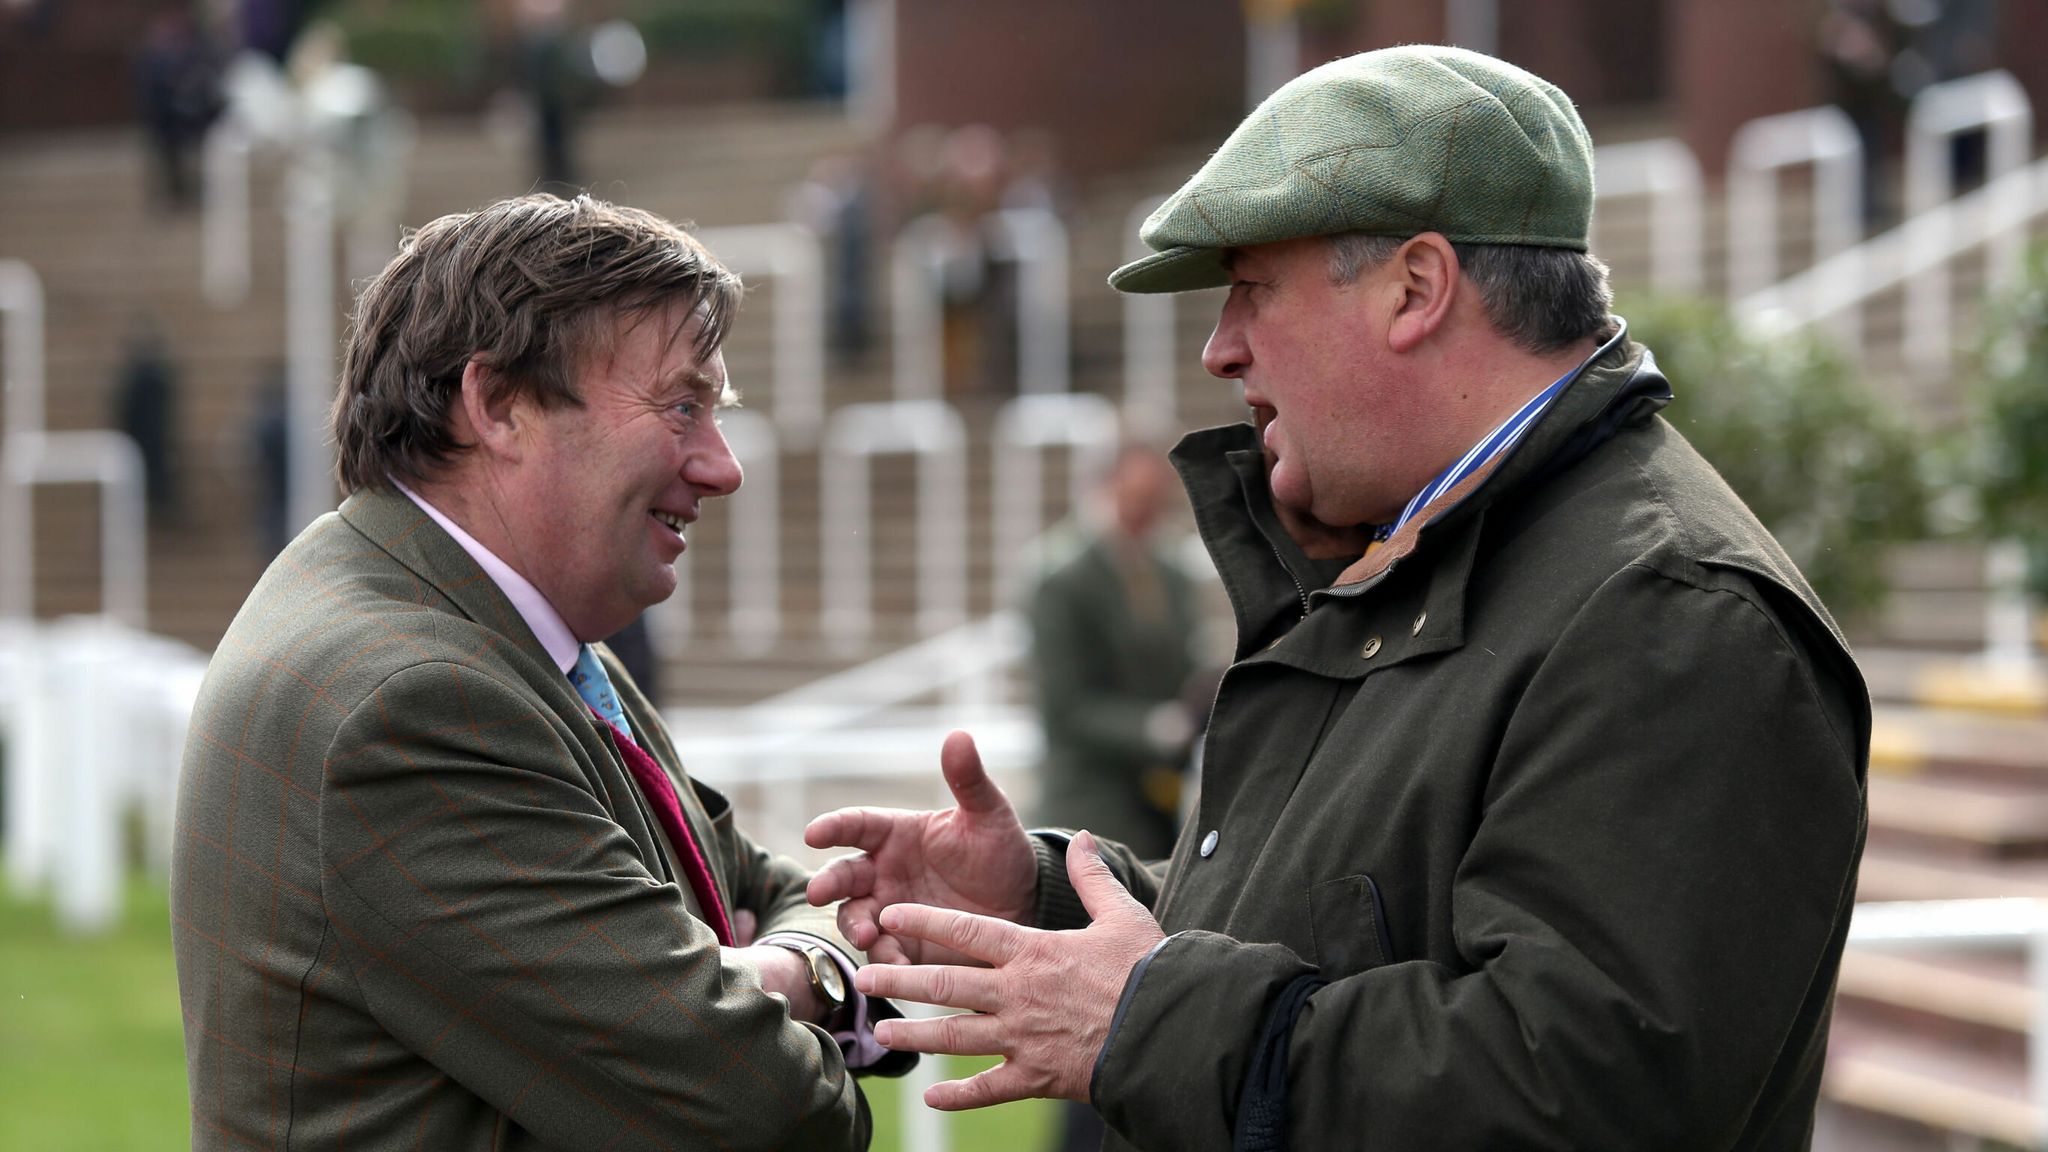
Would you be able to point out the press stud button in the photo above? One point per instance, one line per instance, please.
(1371, 649)
(1209, 844)
(1421, 618)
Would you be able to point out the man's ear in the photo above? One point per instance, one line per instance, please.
(1426, 274)
(487, 415)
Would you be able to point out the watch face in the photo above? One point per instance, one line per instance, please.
(831, 981)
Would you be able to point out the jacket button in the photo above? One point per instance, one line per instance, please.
(1209, 844)
(1371, 649)
(1421, 618)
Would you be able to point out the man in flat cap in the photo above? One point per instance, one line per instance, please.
(1534, 797)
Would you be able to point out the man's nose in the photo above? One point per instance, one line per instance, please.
(712, 469)
(1226, 355)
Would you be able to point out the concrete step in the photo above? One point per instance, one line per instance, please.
(1901, 1074)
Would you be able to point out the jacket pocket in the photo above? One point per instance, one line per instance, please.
(1348, 926)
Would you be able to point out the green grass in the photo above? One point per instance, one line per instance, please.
(92, 1056)
(92, 1053)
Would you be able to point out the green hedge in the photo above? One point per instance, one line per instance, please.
(2004, 464)
(1833, 473)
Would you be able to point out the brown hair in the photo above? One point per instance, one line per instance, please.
(532, 286)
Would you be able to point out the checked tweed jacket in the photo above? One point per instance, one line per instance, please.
(418, 901)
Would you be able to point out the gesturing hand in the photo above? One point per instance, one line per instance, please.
(1044, 1005)
(973, 857)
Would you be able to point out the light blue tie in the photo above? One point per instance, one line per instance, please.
(596, 689)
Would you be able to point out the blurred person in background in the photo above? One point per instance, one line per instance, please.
(549, 77)
(177, 82)
(1113, 623)
(146, 410)
(440, 879)
(1532, 805)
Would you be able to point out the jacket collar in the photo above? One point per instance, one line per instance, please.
(401, 528)
(1272, 585)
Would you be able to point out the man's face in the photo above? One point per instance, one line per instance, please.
(1338, 423)
(601, 492)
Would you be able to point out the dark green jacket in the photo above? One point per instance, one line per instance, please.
(1565, 807)
(1101, 668)
(418, 901)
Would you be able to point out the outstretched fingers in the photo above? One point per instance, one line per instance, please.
(845, 878)
(863, 828)
(983, 938)
(998, 1085)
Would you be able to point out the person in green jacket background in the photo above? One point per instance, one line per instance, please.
(1113, 638)
(1532, 803)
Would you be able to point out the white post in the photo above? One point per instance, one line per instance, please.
(1272, 49)
(756, 558)
(21, 301)
(2037, 1034)
(36, 739)
(87, 884)
(1666, 171)
(224, 213)
(2008, 614)
(1037, 242)
(309, 340)
(1824, 137)
(871, 64)
(1080, 421)
(1150, 405)
(933, 432)
(1473, 24)
(792, 258)
(1995, 103)
(918, 338)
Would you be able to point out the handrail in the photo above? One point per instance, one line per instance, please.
(1666, 171)
(1904, 255)
(1992, 102)
(1824, 137)
(1974, 924)
(932, 431)
(790, 256)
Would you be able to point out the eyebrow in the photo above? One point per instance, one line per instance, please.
(698, 381)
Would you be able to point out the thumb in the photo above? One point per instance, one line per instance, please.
(960, 762)
(1100, 891)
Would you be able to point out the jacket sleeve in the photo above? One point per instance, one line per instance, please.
(1647, 919)
(502, 926)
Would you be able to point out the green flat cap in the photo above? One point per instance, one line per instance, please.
(1404, 140)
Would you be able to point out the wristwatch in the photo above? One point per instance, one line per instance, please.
(828, 983)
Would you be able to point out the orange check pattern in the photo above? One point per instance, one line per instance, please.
(418, 903)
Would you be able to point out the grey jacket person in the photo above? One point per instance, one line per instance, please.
(1543, 837)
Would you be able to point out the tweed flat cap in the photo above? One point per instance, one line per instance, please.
(1419, 138)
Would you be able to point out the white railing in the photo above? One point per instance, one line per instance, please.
(790, 256)
(1083, 423)
(1995, 104)
(1906, 255)
(310, 341)
(1034, 240)
(1823, 137)
(1951, 925)
(95, 717)
(753, 553)
(108, 459)
(1150, 403)
(1666, 171)
(931, 431)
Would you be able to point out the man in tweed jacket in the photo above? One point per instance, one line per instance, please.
(428, 892)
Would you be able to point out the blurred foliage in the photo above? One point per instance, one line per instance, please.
(1821, 461)
(2004, 462)
(441, 39)
(779, 29)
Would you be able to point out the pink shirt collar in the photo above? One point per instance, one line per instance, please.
(540, 616)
